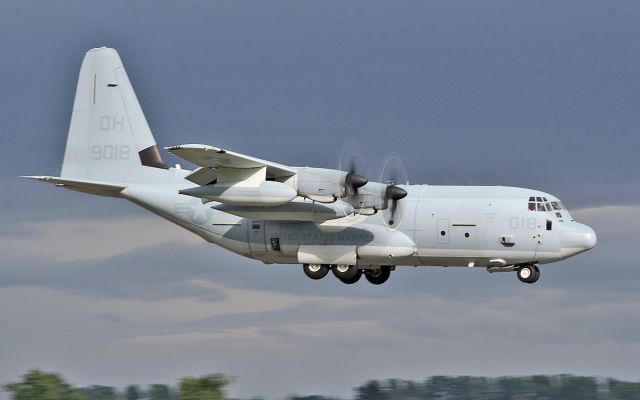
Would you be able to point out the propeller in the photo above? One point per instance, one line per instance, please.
(354, 181)
(355, 178)
(393, 173)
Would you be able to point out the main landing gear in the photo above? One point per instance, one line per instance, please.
(316, 271)
(348, 274)
(528, 273)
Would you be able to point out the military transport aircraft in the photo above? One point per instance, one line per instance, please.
(325, 219)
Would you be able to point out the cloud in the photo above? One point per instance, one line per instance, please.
(91, 239)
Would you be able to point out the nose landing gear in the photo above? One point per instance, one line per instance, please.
(528, 273)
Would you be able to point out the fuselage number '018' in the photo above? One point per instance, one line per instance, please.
(516, 223)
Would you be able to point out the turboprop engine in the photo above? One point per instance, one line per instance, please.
(364, 197)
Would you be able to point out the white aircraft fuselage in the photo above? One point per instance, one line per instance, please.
(470, 226)
(327, 220)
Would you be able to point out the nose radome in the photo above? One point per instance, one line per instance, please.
(590, 238)
(576, 239)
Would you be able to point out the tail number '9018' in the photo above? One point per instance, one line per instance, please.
(110, 152)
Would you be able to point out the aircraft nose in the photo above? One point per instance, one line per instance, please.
(589, 238)
(577, 239)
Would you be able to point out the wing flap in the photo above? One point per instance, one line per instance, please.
(214, 157)
(203, 176)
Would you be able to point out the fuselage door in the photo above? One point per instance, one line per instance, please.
(547, 242)
(443, 231)
(257, 243)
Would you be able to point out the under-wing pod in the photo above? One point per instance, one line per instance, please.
(267, 193)
(293, 211)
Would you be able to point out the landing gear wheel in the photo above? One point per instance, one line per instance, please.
(536, 275)
(354, 279)
(345, 272)
(528, 273)
(315, 271)
(378, 276)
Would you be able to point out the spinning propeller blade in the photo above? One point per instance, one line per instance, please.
(393, 173)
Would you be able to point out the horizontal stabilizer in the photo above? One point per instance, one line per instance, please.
(93, 187)
(213, 157)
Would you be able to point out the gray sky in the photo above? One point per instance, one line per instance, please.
(540, 94)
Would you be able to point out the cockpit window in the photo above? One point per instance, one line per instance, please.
(542, 204)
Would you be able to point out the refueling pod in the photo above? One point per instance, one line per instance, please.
(267, 193)
(293, 211)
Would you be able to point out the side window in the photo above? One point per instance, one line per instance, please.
(549, 224)
(532, 206)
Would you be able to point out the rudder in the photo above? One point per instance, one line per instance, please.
(109, 138)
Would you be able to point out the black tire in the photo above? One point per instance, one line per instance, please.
(378, 276)
(354, 279)
(344, 272)
(528, 273)
(315, 271)
(536, 274)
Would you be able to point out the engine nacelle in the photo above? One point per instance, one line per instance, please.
(320, 184)
(328, 185)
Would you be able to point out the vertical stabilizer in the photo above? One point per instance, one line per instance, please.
(109, 138)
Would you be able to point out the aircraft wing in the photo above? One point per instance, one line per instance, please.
(213, 157)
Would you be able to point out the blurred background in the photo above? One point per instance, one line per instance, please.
(542, 94)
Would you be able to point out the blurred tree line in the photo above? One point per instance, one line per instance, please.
(39, 385)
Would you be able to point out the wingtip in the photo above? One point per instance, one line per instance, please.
(35, 177)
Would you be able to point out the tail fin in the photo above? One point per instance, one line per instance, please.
(109, 138)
